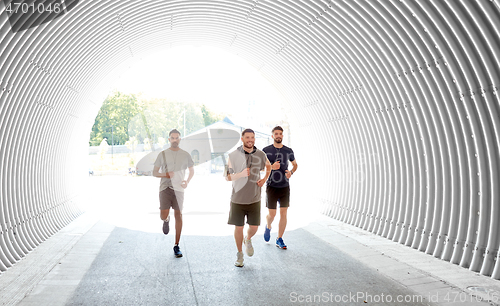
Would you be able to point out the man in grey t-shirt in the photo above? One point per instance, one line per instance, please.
(171, 165)
(245, 164)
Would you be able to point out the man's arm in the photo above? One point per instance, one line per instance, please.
(236, 176)
(156, 173)
(276, 165)
(261, 182)
(191, 174)
(185, 183)
(294, 164)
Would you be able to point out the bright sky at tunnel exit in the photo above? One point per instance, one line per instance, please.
(212, 76)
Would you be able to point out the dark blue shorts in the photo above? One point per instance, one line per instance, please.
(275, 195)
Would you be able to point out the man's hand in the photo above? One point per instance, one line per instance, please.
(184, 184)
(170, 174)
(276, 165)
(261, 182)
(245, 172)
(288, 174)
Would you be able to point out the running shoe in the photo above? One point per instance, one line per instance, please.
(239, 259)
(280, 244)
(177, 251)
(248, 246)
(267, 234)
(166, 227)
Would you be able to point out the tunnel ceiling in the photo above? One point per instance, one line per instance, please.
(393, 105)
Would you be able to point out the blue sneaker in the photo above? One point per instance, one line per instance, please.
(280, 244)
(267, 234)
(177, 251)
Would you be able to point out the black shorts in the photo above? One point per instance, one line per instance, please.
(275, 195)
(171, 198)
(238, 212)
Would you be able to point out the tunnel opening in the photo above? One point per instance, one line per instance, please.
(177, 88)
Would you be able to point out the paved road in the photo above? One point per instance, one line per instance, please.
(138, 268)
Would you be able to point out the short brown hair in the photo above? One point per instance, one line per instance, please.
(174, 131)
(247, 131)
(279, 128)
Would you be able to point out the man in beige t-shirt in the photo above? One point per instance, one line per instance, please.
(170, 166)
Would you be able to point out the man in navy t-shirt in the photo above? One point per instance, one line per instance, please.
(278, 188)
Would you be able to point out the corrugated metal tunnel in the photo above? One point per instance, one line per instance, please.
(394, 106)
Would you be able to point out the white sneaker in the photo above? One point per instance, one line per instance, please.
(239, 259)
(248, 246)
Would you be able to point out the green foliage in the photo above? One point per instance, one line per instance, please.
(135, 119)
(209, 117)
(116, 112)
(159, 117)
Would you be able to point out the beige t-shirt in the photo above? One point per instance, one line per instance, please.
(176, 161)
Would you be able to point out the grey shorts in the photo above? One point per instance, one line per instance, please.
(171, 198)
(238, 212)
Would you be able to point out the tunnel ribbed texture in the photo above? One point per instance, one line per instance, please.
(394, 109)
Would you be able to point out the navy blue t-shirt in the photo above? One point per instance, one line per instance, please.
(278, 178)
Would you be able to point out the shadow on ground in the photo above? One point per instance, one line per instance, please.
(139, 268)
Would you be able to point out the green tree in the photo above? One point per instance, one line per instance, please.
(161, 116)
(194, 118)
(115, 114)
(152, 119)
(209, 117)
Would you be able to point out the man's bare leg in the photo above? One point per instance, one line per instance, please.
(252, 229)
(164, 214)
(270, 217)
(283, 221)
(238, 237)
(178, 225)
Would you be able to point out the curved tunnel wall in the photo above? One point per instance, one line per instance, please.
(394, 106)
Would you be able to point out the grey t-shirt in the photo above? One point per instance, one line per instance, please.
(245, 189)
(176, 161)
